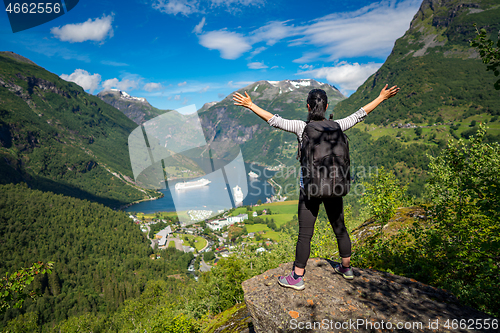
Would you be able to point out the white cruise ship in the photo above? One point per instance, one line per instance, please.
(252, 174)
(237, 194)
(194, 184)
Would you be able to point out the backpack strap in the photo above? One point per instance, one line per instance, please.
(298, 142)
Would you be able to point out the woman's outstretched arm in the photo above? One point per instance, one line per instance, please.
(384, 95)
(246, 101)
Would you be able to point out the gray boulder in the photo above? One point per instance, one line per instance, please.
(372, 302)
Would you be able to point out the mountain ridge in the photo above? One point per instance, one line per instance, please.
(259, 142)
(56, 137)
(287, 97)
(439, 73)
(138, 109)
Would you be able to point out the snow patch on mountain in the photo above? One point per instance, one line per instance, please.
(300, 83)
(124, 95)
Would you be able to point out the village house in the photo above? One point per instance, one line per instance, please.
(238, 218)
(260, 250)
(218, 224)
(163, 235)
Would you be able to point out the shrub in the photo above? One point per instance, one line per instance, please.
(383, 195)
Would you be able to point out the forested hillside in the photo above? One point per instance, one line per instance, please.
(56, 137)
(445, 92)
(441, 76)
(101, 258)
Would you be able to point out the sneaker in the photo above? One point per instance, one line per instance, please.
(345, 272)
(290, 282)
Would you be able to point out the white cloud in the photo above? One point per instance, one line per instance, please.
(346, 76)
(235, 6)
(256, 65)
(187, 7)
(257, 51)
(177, 97)
(369, 31)
(184, 7)
(230, 44)
(180, 84)
(239, 84)
(306, 66)
(95, 30)
(204, 89)
(307, 57)
(237, 2)
(272, 33)
(152, 86)
(199, 27)
(125, 84)
(83, 79)
(113, 63)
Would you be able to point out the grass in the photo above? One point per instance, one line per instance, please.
(199, 242)
(441, 131)
(279, 219)
(274, 235)
(146, 216)
(171, 244)
(239, 210)
(151, 216)
(257, 227)
(283, 207)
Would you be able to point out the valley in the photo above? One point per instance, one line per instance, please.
(66, 179)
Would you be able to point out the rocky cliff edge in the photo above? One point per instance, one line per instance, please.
(372, 302)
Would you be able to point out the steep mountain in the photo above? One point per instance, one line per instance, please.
(227, 126)
(56, 137)
(440, 75)
(445, 92)
(136, 108)
(207, 106)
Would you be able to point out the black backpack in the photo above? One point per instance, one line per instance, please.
(324, 160)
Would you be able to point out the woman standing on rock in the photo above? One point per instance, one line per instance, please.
(317, 104)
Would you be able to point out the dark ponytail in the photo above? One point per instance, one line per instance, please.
(317, 101)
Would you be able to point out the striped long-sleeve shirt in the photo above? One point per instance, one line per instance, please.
(297, 126)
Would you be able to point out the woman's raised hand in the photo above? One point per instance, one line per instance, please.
(246, 101)
(242, 100)
(388, 93)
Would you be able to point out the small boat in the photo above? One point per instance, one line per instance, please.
(252, 174)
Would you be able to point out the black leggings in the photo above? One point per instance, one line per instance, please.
(308, 212)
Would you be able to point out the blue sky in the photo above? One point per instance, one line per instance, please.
(181, 52)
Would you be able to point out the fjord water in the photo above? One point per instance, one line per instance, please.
(202, 198)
